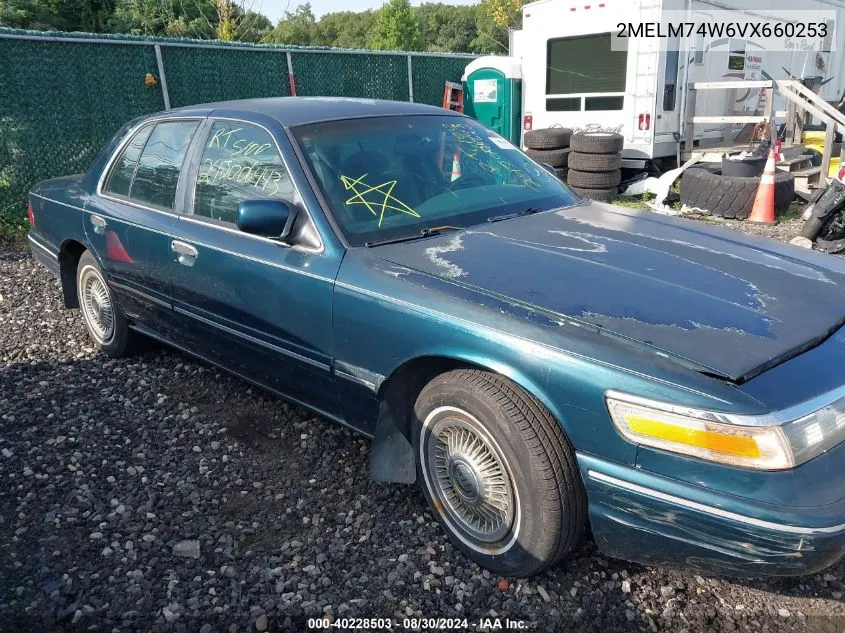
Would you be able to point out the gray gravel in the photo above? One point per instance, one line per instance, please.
(157, 494)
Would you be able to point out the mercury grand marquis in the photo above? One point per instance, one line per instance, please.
(535, 362)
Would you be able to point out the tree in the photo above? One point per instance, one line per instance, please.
(504, 13)
(490, 38)
(396, 28)
(298, 28)
(345, 29)
(65, 15)
(446, 27)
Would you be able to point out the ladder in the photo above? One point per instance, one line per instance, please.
(453, 96)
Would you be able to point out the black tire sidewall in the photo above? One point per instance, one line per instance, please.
(527, 554)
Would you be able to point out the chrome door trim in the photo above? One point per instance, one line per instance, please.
(252, 339)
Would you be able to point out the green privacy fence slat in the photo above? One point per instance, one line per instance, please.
(373, 76)
(196, 75)
(62, 96)
(430, 73)
(59, 104)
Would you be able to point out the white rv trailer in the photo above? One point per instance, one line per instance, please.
(573, 78)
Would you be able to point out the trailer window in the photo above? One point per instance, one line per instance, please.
(585, 64)
(592, 104)
(565, 104)
(670, 80)
(736, 55)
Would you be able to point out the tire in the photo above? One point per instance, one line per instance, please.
(812, 227)
(594, 179)
(594, 162)
(600, 195)
(103, 319)
(510, 432)
(731, 197)
(547, 138)
(597, 142)
(553, 157)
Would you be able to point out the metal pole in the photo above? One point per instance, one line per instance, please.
(410, 80)
(291, 78)
(162, 77)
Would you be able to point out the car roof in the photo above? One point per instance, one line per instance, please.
(293, 111)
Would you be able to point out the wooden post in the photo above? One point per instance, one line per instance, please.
(689, 126)
(829, 133)
(791, 123)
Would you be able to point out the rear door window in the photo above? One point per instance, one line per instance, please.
(161, 162)
(120, 179)
(148, 168)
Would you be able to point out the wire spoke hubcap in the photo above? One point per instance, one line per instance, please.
(96, 305)
(469, 477)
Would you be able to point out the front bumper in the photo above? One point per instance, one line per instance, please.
(643, 517)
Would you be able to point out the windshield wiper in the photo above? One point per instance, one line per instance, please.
(437, 230)
(508, 216)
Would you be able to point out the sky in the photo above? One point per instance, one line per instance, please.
(274, 9)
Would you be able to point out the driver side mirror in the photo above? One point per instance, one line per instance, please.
(548, 168)
(267, 218)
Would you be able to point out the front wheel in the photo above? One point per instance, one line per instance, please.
(498, 472)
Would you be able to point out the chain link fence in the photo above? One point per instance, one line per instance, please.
(62, 96)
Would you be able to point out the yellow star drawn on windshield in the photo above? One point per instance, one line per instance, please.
(384, 190)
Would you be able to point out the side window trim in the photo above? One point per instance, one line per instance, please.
(104, 175)
(195, 155)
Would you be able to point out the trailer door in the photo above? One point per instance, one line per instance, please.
(669, 97)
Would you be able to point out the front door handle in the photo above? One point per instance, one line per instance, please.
(187, 253)
(99, 223)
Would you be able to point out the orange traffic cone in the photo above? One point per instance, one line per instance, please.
(456, 166)
(763, 211)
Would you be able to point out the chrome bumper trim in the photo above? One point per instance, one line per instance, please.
(718, 512)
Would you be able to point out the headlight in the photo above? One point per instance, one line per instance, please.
(766, 442)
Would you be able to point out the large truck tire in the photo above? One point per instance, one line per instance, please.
(731, 197)
(547, 138)
(597, 142)
(594, 162)
(594, 180)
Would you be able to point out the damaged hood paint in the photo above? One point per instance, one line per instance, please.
(727, 303)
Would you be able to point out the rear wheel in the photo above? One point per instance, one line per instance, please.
(103, 318)
(498, 472)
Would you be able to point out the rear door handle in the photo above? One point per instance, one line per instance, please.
(99, 223)
(187, 253)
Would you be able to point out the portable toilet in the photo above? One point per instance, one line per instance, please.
(493, 94)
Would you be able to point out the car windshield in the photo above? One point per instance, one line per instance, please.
(395, 177)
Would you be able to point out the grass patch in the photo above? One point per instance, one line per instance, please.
(13, 224)
(634, 202)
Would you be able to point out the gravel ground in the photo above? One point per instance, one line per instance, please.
(156, 494)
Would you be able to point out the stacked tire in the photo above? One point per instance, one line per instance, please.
(549, 146)
(595, 165)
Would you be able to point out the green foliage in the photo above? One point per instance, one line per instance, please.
(62, 15)
(446, 27)
(345, 29)
(396, 28)
(298, 28)
(432, 26)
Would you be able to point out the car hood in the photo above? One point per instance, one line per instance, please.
(730, 304)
